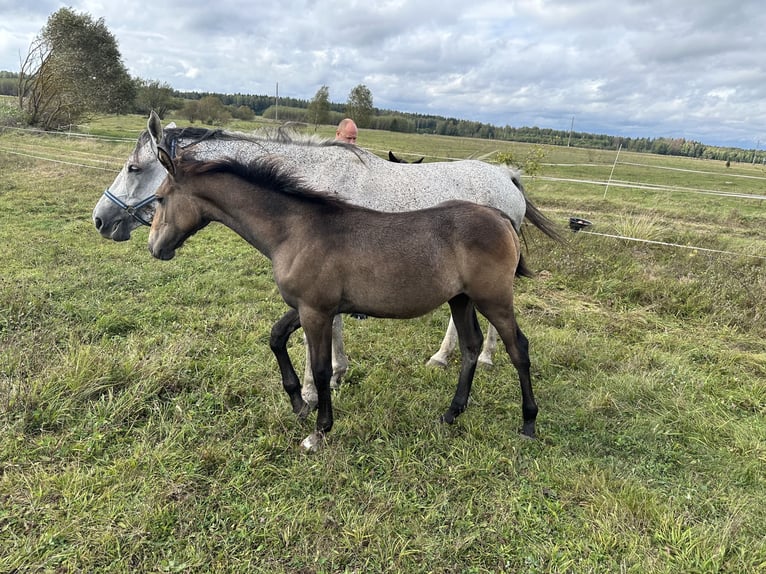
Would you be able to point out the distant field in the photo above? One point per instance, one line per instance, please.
(143, 427)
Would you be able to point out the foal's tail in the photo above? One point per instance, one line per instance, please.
(522, 270)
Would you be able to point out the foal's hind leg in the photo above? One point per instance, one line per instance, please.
(517, 346)
(469, 337)
(280, 333)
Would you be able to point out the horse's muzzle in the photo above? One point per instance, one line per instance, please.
(117, 231)
(163, 254)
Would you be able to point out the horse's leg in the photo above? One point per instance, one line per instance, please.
(517, 346)
(469, 337)
(440, 358)
(318, 329)
(519, 352)
(490, 344)
(309, 391)
(339, 364)
(339, 358)
(280, 333)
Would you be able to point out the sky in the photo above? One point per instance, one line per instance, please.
(639, 68)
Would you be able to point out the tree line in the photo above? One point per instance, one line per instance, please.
(74, 69)
(298, 110)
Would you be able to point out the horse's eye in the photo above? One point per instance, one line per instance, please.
(160, 200)
(133, 168)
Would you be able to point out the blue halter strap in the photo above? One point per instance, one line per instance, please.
(133, 210)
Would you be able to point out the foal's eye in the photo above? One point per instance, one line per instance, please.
(133, 168)
(160, 200)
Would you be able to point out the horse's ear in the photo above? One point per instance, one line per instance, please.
(166, 161)
(154, 127)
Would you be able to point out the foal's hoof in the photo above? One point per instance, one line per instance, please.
(447, 418)
(301, 408)
(303, 411)
(313, 443)
(486, 363)
(528, 431)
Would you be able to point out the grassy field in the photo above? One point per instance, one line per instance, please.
(143, 427)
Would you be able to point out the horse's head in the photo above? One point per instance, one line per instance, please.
(394, 159)
(178, 214)
(129, 202)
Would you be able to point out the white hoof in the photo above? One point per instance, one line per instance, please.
(311, 398)
(486, 362)
(436, 361)
(313, 443)
(335, 381)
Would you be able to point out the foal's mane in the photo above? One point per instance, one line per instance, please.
(266, 172)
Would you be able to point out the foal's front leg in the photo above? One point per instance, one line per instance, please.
(339, 364)
(318, 329)
(280, 333)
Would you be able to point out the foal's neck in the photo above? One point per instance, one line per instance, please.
(263, 217)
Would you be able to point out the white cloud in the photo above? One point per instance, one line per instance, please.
(650, 68)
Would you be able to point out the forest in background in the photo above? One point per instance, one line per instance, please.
(297, 110)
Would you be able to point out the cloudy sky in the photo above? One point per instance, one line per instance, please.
(641, 68)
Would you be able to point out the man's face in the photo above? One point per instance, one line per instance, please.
(347, 134)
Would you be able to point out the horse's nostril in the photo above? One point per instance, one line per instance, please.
(98, 223)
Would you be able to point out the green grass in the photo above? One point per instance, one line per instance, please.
(143, 426)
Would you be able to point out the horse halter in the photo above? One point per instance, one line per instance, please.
(133, 210)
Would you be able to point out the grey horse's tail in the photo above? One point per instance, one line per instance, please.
(534, 216)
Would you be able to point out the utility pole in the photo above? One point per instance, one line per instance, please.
(571, 126)
(276, 104)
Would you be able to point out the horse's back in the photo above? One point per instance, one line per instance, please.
(454, 247)
(367, 180)
(389, 186)
(436, 234)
